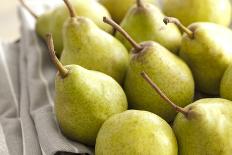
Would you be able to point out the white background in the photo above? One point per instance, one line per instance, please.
(9, 24)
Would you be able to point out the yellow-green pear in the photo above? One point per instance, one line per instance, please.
(203, 127)
(84, 99)
(165, 68)
(135, 132)
(226, 84)
(144, 21)
(118, 8)
(206, 48)
(53, 20)
(90, 47)
(190, 11)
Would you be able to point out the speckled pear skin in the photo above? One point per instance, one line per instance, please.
(84, 100)
(53, 20)
(88, 46)
(136, 132)
(146, 23)
(207, 130)
(43, 24)
(190, 11)
(208, 54)
(168, 71)
(226, 84)
(119, 8)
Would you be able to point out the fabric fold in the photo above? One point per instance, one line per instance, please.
(10, 124)
(28, 124)
(40, 83)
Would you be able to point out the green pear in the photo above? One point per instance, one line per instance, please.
(118, 8)
(226, 84)
(92, 48)
(203, 127)
(165, 68)
(206, 128)
(190, 11)
(135, 132)
(53, 20)
(206, 48)
(84, 99)
(144, 21)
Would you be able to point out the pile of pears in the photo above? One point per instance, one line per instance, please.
(129, 76)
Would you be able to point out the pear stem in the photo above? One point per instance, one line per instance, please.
(167, 20)
(62, 70)
(114, 32)
(161, 93)
(70, 8)
(140, 3)
(123, 32)
(28, 9)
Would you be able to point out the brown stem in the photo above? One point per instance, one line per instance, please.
(70, 8)
(140, 3)
(123, 32)
(28, 9)
(62, 70)
(114, 32)
(167, 20)
(157, 89)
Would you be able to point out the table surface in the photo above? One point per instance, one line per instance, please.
(9, 27)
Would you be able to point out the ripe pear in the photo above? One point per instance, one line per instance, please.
(144, 21)
(226, 84)
(53, 20)
(135, 132)
(165, 68)
(203, 127)
(118, 8)
(190, 11)
(84, 100)
(206, 48)
(90, 47)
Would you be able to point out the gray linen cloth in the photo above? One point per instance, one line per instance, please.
(27, 121)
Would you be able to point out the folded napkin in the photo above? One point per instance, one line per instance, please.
(27, 122)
